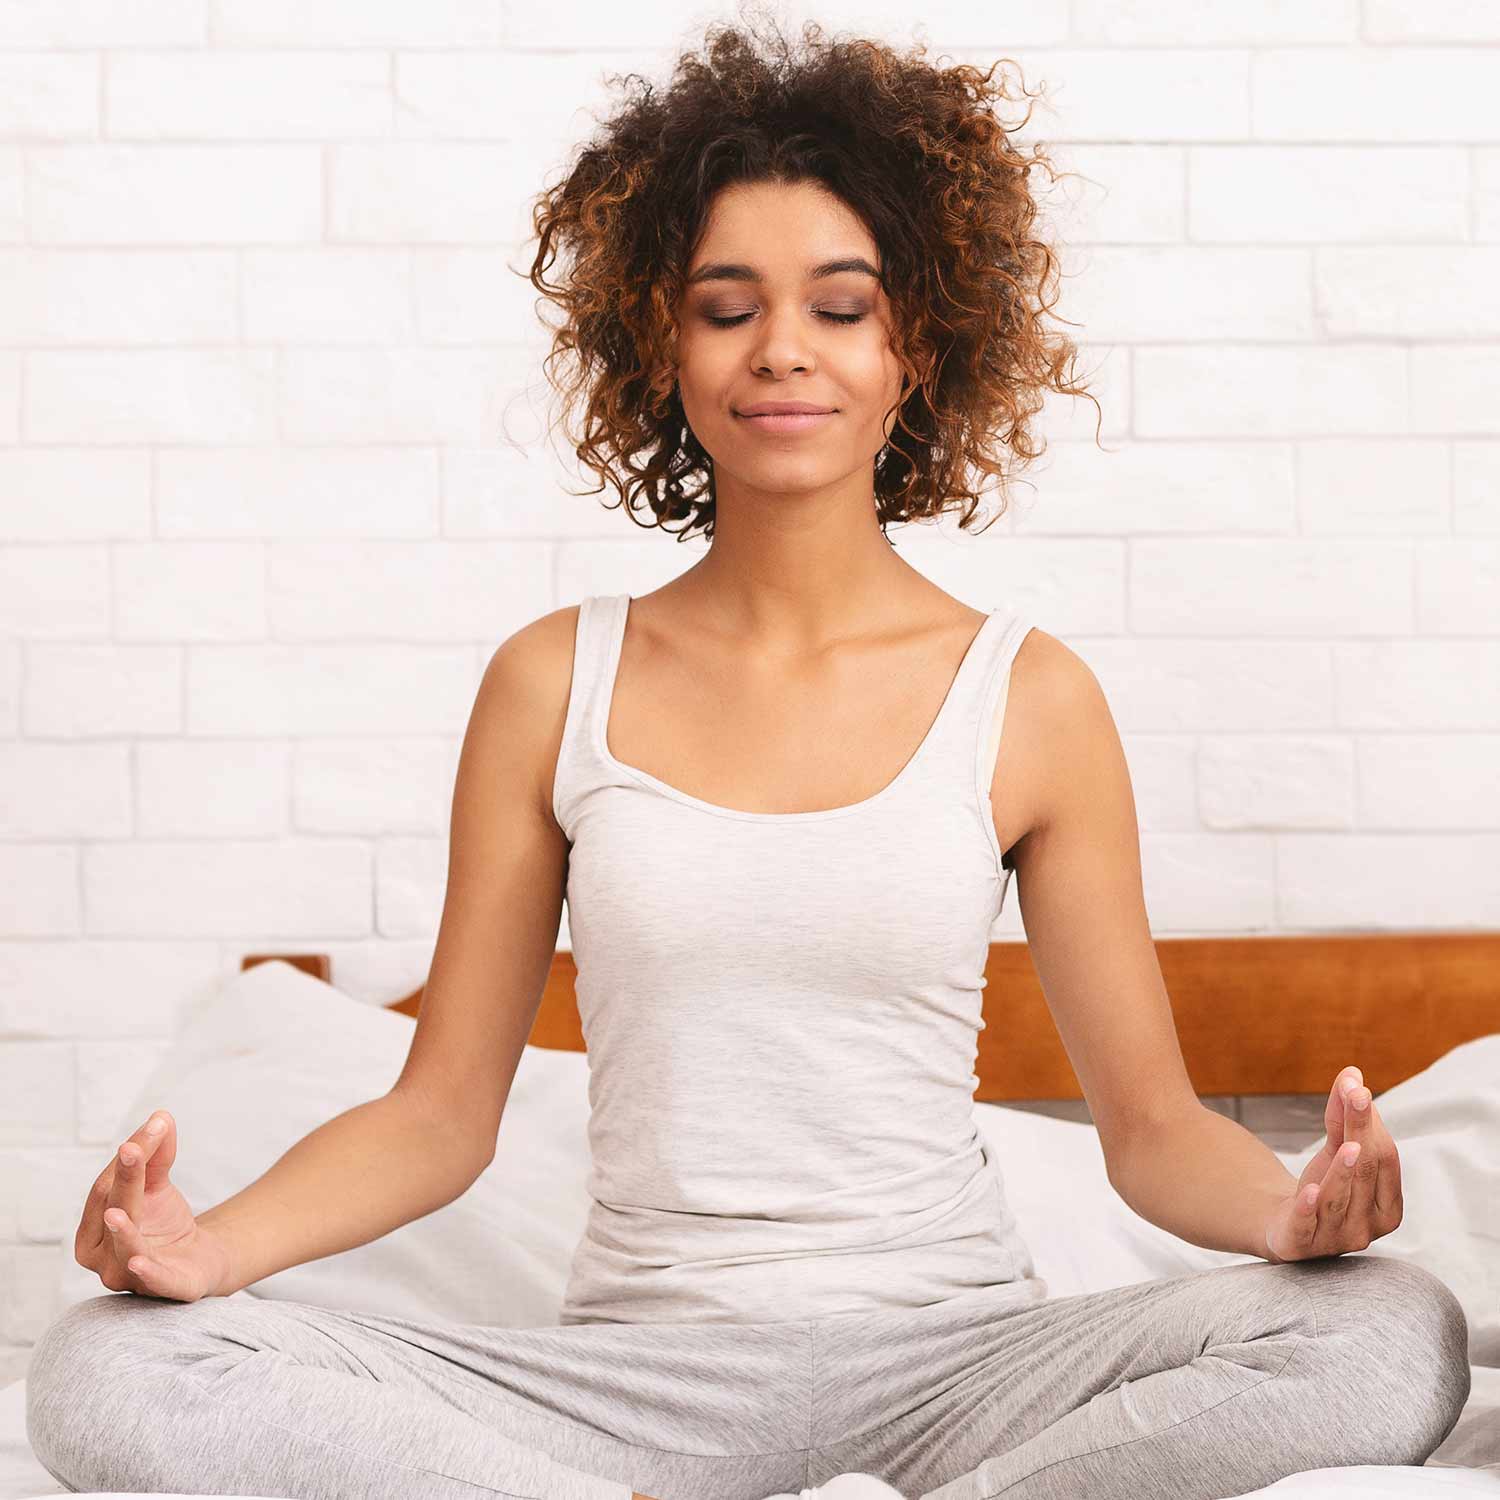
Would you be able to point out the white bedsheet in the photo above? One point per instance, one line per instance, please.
(1468, 1462)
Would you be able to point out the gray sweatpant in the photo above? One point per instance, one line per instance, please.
(1205, 1385)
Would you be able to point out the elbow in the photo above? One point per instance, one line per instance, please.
(1124, 1146)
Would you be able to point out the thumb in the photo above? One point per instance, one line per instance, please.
(1295, 1223)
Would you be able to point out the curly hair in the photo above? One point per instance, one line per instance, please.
(917, 154)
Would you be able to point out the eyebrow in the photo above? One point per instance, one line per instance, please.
(733, 271)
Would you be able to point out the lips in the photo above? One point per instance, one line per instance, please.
(786, 421)
(782, 408)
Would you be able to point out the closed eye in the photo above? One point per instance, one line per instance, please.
(740, 318)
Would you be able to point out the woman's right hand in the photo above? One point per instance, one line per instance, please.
(137, 1230)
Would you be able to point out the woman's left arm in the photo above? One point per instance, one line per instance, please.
(1210, 1181)
(1193, 1172)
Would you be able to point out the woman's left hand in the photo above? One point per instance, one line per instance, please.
(1339, 1205)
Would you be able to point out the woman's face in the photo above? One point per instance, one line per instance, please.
(759, 324)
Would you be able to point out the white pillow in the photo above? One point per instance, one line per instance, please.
(274, 1054)
(1446, 1124)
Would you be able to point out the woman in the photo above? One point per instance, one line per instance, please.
(776, 793)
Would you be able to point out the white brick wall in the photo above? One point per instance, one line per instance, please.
(266, 367)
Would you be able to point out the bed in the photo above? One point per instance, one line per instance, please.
(1418, 1012)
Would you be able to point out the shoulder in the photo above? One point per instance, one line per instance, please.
(521, 706)
(1058, 733)
(1057, 685)
(531, 660)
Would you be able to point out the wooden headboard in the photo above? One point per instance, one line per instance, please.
(1255, 1015)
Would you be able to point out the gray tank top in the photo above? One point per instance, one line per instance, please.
(782, 1014)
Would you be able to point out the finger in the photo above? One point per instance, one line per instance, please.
(135, 1256)
(125, 1238)
(1376, 1146)
(1359, 1113)
(1388, 1199)
(1335, 1191)
(153, 1278)
(129, 1190)
(157, 1279)
(1359, 1220)
(1303, 1223)
(1334, 1113)
(1355, 1121)
(90, 1232)
(161, 1138)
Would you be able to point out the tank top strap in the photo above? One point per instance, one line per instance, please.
(579, 764)
(963, 762)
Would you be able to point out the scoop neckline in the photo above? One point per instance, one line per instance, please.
(616, 644)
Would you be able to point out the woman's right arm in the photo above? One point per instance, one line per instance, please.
(416, 1148)
(364, 1173)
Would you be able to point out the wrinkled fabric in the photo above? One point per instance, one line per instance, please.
(1205, 1385)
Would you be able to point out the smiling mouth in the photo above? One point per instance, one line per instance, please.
(786, 421)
